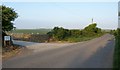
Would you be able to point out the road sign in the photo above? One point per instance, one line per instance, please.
(7, 38)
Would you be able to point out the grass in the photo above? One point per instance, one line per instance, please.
(82, 38)
(34, 31)
(116, 63)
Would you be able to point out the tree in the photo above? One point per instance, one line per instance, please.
(8, 15)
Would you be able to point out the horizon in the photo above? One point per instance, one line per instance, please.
(52, 28)
(69, 15)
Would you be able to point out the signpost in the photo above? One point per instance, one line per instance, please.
(7, 40)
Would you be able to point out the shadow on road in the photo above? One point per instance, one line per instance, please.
(102, 58)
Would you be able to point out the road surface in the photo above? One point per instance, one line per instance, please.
(96, 53)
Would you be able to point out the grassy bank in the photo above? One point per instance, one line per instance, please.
(117, 53)
(82, 38)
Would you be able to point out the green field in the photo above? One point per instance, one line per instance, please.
(34, 31)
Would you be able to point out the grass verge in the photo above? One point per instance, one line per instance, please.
(116, 63)
(82, 38)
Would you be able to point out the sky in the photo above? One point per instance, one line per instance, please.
(71, 15)
(119, 16)
(60, 0)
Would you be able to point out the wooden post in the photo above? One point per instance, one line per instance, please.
(4, 43)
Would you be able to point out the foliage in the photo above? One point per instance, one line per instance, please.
(75, 33)
(91, 27)
(117, 50)
(91, 30)
(118, 32)
(113, 32)
(78, 39)
(60, 34)
(8, 15)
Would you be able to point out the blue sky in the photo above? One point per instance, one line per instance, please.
(60, 0)
(65, 14)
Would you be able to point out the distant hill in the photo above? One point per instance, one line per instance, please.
(31, 31)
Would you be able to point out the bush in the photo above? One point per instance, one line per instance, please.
(91, 30)
(61, 34)
(117, 50)
(75, 33)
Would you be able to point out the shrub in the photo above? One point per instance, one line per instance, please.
(59, 33)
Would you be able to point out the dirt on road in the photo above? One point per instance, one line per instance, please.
(95, 53)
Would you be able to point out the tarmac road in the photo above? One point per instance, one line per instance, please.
(95, 53)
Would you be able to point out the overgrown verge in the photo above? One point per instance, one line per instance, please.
(75, 35)
(116, 63)
(82, 38)
(10, 51)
